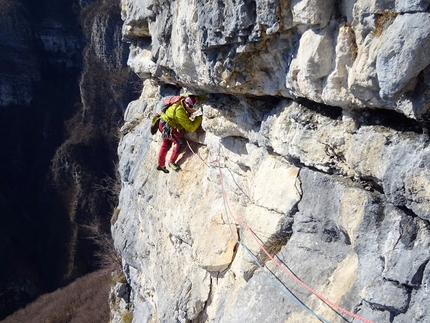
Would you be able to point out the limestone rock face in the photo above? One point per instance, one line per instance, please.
(356, 54)
(304, 197)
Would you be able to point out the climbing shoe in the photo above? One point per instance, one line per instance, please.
(174, 167)
(163, 169)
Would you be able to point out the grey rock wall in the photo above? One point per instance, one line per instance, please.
(349, 54)
(313, 146)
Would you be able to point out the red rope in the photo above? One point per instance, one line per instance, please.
(195, 154)
(279, 265)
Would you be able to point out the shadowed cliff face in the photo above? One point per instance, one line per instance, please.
(315, 147)
(61, 100)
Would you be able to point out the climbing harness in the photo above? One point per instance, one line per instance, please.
(166, 134)
(229, 214)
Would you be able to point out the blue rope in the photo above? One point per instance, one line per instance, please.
(290, 296)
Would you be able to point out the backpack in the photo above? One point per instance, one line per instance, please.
(161, 108)
(168, 101)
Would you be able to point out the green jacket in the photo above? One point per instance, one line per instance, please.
(177, 117)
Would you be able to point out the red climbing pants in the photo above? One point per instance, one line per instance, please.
(177, 139)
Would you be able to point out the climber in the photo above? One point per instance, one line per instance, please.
(175, 120)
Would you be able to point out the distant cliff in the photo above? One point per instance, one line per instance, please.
(64, 87)
(305, 197)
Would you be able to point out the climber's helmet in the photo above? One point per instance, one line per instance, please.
(190, 103)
